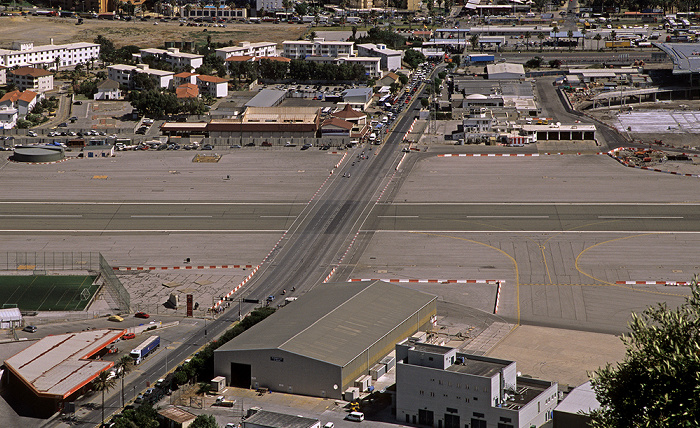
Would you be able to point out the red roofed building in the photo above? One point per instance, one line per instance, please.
(24, 102)
(240, 58)
(35, 79)
(215, 86)
(187, 90)
(351, 115)
(184, 77)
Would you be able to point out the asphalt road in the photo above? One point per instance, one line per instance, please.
(338, 216)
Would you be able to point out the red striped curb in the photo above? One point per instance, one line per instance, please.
(433, 281)
(129, 268)
(652, 282)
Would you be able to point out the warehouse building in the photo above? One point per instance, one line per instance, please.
(326, 340)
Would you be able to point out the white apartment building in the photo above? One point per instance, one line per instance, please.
(35, 79)
(173, 56)
(68, 55)
(371, 65)
(8, 117)
(440, 387)
(269, 5)
(300, 49)
(390, 58)
(248, 49)
(209, 13)
(24, 101)
(124, 74)
(215, 86)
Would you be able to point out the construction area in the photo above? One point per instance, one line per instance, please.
(680, 163)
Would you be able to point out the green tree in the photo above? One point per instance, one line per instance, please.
(424, 102)
(541, 36)
(535, 62)
(204, 421)
(413, 58)
(474, 41)
(124, 365)
(569, 35)
(403, 79)
(301, 8)
(597, 39)
(658, 382)
(144, 81)
(528, 35)
(103, 383)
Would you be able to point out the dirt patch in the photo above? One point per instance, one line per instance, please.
(143, 34)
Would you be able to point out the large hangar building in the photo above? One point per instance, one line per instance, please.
(320, 344)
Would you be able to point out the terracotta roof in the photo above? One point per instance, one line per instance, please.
(27, 96)
(185, 74)
(187, 90)
(239, 58)
(212, 79)
(339, 123)
(10, 96)
(274, 58)
(31, 71)
(348, 113)
(14, 96)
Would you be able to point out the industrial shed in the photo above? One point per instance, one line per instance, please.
(325, 340)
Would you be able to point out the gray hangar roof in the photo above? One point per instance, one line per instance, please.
(334, 322)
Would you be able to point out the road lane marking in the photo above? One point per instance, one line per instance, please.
(638, 217)
(144, 203)
(277, 216)
(634, 204)
(170, 216)
(667, 232)
(397, 216)
(507, 216)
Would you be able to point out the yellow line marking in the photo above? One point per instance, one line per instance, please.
(512, 259)
(607, 283)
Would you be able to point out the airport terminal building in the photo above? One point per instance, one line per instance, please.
(320, 344)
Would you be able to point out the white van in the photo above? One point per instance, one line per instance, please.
(356, 416)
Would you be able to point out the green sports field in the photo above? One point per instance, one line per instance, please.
(47, 293)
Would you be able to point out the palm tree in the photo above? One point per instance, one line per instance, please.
(474, 40)
(541, 37)
(527, 39)
(569, 35)
(597, 38)
(613, 35)
(103, 382)
(124, 365)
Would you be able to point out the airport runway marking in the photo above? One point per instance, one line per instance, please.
(617, 284)
(43, 215)
(170, 216)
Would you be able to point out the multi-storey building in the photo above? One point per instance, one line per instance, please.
(300, 49)
(124, 74)
(440, 387)
(390, 58)
(173, 56)
(68, 55)
(248, 49)
(269, 5)
(216, 87)
(35, 79)
(370, 64)
(23, 102)
(211, 13)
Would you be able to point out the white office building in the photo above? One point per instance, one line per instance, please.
(300, 49)
(173, 56)
(440, 387)
(269, 5)
(124, 74)
(68, 55)
(248, 49)
(210, 13)
(390, 58)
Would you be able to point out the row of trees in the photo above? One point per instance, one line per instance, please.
(160, 103)
(296, 70)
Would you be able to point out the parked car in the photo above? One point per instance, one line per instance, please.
(30, 329)
(266, 144)
(207, 147)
